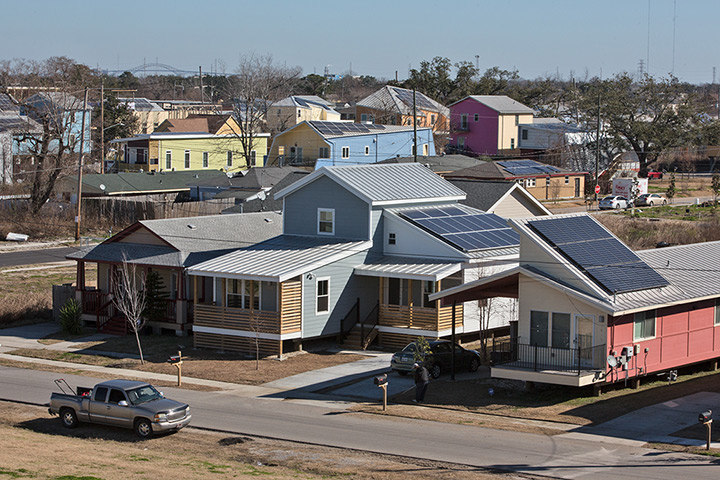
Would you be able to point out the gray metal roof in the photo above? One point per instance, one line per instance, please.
(280, 258)
(502, 104)
(407, 267)
(482, 194)
(439, 163)
(396, 99)
(136, 183)
(387, 184)
(141, 104)
(304, 101)
(350, 129)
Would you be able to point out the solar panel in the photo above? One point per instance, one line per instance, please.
(468, 230)
(596, 252)
(528, 167)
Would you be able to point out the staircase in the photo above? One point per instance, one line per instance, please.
(354, 337)
(116, 325)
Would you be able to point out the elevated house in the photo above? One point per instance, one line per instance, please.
(14, 127)
(593, 312)
(317, 144)
(394, 106)
(149, 114)
(294, 109)
(167, 247)
(64, 113)
(362, 249)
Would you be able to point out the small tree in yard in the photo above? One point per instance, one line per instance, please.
(71, 317)
(422, 348)
(670, 192)
(155, 296)
(129, 297)
(715, 187)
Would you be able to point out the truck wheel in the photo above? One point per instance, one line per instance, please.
(143, 428)
(69, 418)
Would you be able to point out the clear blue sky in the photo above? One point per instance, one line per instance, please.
(536, 37)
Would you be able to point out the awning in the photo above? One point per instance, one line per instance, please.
(503, 284)
(408, 268)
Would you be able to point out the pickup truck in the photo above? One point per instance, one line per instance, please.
(121, 403)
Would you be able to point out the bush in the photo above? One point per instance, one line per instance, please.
(70, 317)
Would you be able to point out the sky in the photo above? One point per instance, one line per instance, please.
(565, 38)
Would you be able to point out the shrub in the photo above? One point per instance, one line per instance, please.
(70, 317)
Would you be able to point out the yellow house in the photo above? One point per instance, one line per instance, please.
(299, 108)
(200, 142)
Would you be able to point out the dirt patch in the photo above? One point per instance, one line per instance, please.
(98, 452)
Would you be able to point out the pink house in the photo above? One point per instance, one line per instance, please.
(487, 124)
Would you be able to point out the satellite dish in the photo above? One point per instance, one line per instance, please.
(612, 361)
(102, 187)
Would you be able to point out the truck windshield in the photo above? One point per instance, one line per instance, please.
(143, 394)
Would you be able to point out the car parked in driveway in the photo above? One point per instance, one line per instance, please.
(650, 200)
(613, 202)
(438, 361)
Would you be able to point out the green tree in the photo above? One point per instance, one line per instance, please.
(156, 296)
(670, 192)
(715, 187)
(71, 317)
(422, 348)
(119, 121)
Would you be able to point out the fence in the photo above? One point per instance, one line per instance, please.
(534, 357)
(125, 211)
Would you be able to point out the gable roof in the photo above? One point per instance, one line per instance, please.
(440, 163)
(387, 184)
(269, 203)
(400, 100)
(141, 104)
(487, 194)
(256, 178)
(501, 104)
(58, 100)
(304, 101)
(511, 169)
(136, 183)
(8, 106)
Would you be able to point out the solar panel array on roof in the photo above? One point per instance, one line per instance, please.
(421, 101)
(468, 231)
(528, 167)
(602, 257)
(343, 128)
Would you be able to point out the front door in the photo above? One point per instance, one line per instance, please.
(577, 187)
(584, 338)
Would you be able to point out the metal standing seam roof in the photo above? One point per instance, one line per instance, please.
(386, 184)
(503, 104)
(391, 98)
(408, 267)
(280, 258)
(351, 129)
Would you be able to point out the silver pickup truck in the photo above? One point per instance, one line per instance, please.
(121, 403)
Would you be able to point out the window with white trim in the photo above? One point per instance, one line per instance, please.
(322, 303)
(253, 158)
(717, 312)
(345, 152)
(477, 117)
(425, 150)
(644, 325)
(529, 182)
(168, 159)
(323, 152)
(363, 117)
(367, 150)
(206, 159)
(567, 180)
(391, 239)
(326, 221)
(187, 159)
(243, 294)
(463, 121)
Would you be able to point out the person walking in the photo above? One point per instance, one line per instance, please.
(422, 378)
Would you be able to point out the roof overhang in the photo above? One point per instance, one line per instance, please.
(408, 268)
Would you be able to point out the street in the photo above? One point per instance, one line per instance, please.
(329, 423)
(33, 257)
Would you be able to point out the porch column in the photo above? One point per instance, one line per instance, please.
(452, 357)
(80, 276)
(195, 290)
(223, 281)
(410, 303)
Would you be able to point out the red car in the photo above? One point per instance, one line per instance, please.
(654, 175)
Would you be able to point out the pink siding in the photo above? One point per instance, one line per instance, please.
(684, 335)
(481, 136)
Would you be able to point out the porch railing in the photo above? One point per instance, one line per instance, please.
(367, 327)
(537, 358)
(236, 319)
(92, 300)
(349, 321)
(422, 318)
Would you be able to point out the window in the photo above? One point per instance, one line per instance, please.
(567, 180)
(392, 240)
(168, 159)
(517, 119)
(717, 312)
(322, 304)
(561, 330)
(477, 117)
(100, 394)
(243, 294)
(425, 149)
(281, 150)
(253, 158)
(229, 158)
(524, 134)
(461, 143)
(367, 150)
(464, 121)
(529, 182)
(206, 159)
(324, 152)
(363, 117)
(299, 113)
(432, 119)
(644, 325)
(538, 328)
(512, 143)
(345, 152)
(187, 158)
(116, 396)
(326, 221)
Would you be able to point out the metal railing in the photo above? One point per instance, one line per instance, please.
(537, 358)
(368, 325)
(349, 321)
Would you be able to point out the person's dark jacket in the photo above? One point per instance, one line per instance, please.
(421, 375)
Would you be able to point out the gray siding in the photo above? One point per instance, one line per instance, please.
(345, 289)
(301, 206)
(377, 230)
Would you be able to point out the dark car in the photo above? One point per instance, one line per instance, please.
(437, 362)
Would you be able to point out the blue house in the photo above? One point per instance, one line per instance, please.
(64, 113)
(362, 249)
(319, 143)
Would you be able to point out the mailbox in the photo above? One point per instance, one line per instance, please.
(705, 417)
(381, 380)
(174, 359)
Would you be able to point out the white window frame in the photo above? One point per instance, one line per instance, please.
(425, 149)
(530, 182)
(323, 152)
(567, 180)
(168, 159)
(644, 319)
(716, 321)
(345, 152)
(464, 121)
(367, 150)
(363, 117)
(477, 117)
(206, 160)
(253, 158)
(326, 295)
(320, 211)
(392, 239)
(186, 157)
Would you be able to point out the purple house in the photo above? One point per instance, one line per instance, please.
(487, 124)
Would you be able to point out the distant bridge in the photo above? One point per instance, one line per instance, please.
(156, 68)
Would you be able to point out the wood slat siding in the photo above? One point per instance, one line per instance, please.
(398, 341)
(291, 306)
(419, 317)
(237, 319)
(227, 343)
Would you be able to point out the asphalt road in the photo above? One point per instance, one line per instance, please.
(322, 423)
(32, 257)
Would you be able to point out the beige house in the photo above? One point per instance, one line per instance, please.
(298, 108)
(149, 113)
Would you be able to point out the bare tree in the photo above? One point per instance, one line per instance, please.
(129, 298)
(257, 83)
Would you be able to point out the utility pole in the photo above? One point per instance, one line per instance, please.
(414, 128)
(201, 85)
(102, 127)
(80, 168)
(597, 151)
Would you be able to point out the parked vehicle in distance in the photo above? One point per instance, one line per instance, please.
(613, 202)
(650, 200)
(654, 175)
(120, 403)
(438, 361)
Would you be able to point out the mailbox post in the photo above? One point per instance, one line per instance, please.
(176, 361)
(706, 419)
(382, 382)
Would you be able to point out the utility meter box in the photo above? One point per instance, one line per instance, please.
(627, 352)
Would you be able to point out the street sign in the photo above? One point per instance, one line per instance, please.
(597, 188)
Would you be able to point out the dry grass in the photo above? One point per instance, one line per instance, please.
(97, 452)
(641, 234)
